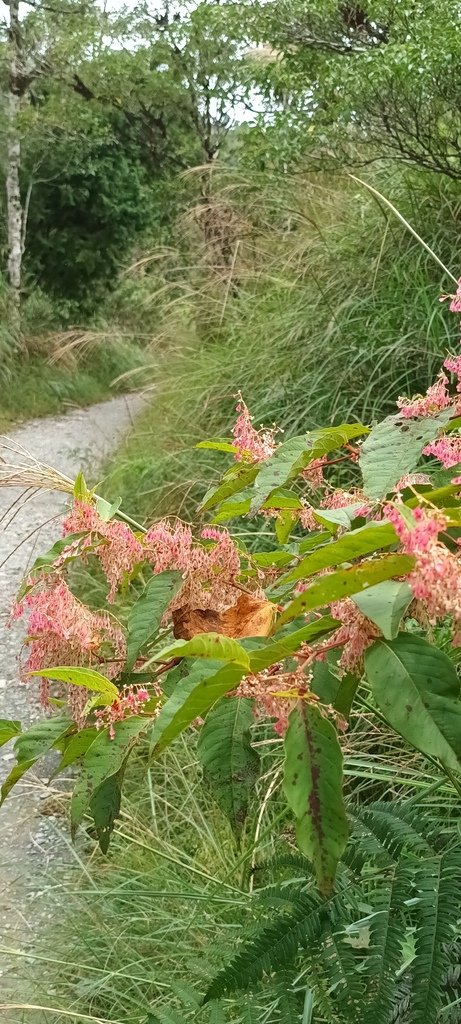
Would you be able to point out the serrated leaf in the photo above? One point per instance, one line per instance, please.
(235, 480)
(8, 730)
(14, 776)
(86, 677)
(352, 545)
(207, 645)
(146, 614)
(393, 449)
(385, 604)
(313, 788)
(103, 759)
(287, 645)
(416, 687)
(346, 582)
(192, 698)
(41, 737)
(230, 764)
(294, 455)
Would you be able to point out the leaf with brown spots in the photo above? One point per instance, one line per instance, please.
(313, 788)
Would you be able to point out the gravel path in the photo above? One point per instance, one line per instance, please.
(29, 840)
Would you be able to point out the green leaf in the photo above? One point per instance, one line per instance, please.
(287, 645)
(267, 559)
(104, 808)
(313, 788)
(8, 730)
(340, 693)
(76, 747)
(352, 545)
(334, 517)
(40, 738)
(103, 759)
(394, 448)
(86, 677)
(207, 645)
(313, 540)
(107, 510)
(192, 698)
(236, 479)
(284, 525)
(385, 604)
(230, 764)
(14, 776)
(283, 499)
(218, 444)
(416, 687)
(80, 489)
(345, 582)
(146, 614)
(232, 510)
(294, 455)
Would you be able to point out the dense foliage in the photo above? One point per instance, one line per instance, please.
(199, 631)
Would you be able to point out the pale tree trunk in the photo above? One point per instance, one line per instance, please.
(13, 192)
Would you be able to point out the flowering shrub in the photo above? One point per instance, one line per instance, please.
(353, 584)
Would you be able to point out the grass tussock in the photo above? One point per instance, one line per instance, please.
(326, 309)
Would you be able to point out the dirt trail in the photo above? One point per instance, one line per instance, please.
(30, 841)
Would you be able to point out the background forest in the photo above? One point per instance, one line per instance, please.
(196, 202)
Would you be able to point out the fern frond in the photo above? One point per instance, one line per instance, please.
(289, 1002)
(438, 912)
(386, 935)
(394, 829)
(277, 943)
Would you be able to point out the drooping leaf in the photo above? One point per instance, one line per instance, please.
(207, 645)
(284, 524)
(41, 737)
(352, 545)
(267, 559)
(417, 689)
(294, 455)
(334, 517)
(313, 788)
(393, 449)
(280, 649)
(146, 614)
(230, 764)
(345, 582)
(232, 510)
(80, 489)
(104, 807)
(14, 776)
(104, 758)
(8, 730)
(385, 604)
(192, 698)
(235, 480)
(86, 677)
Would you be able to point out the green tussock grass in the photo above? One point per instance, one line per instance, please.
(329, 313)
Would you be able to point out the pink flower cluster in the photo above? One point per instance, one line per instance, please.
(355, 634)
(62, 631)
(313, 473)
(209, 572)
(447, 450)
(114, 544)
(437, 397)
(455, 303)
(436, 578)
(130, 702)
(252, 445)
(264, 688)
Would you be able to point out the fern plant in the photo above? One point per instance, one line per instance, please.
(383, 948)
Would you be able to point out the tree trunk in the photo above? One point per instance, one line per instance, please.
(13, 193)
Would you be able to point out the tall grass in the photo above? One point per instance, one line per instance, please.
(328, 310)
